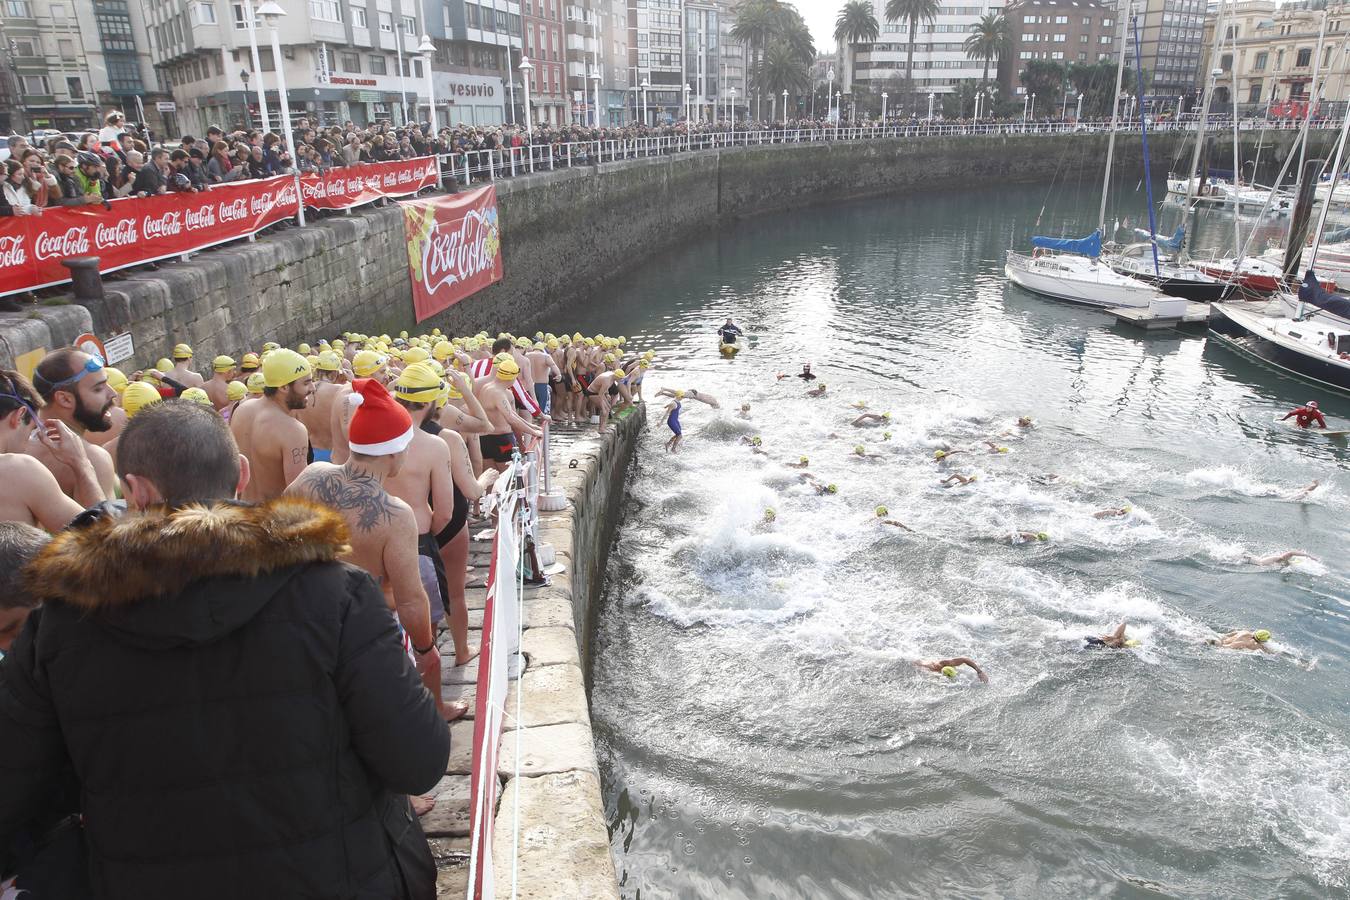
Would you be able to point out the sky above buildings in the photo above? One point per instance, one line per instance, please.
(819, 16)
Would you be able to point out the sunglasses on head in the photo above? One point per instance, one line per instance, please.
(93, 365)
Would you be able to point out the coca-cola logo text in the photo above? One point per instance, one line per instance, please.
(12, 252)
(121, 233)
(72, 242)
(450, 257)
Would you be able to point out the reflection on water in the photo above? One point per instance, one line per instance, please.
(761, 730)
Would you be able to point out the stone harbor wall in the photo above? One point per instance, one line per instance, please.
(564, 234)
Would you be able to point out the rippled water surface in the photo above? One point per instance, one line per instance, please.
(762, 732)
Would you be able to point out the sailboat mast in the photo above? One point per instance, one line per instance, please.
(1237, 151)
(1143, 135)
(1326, 207)
(1191, 176)
(1312, 97)
(1115, 120)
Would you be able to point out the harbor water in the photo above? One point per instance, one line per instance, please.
(761, 729)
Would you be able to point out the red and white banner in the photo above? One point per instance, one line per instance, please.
(137, 230)
(454, 248)
(364, 183)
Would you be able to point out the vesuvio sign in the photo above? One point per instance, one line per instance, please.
(454, 248)
(355, 185)
(141, 230)
(472, 90)
(136, 231)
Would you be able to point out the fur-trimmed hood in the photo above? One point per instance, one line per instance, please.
(191, 571)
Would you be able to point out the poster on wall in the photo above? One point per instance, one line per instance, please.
(454, 248)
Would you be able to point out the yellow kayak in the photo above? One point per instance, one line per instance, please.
(729, 350)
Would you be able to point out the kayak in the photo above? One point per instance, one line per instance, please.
(728, 350)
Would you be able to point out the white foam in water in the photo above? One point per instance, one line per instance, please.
(1220, 480)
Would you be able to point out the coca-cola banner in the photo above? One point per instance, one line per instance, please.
(454, 248)
(138, 230)
(355, 185)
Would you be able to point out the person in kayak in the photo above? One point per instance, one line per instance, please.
(729, 332)
(1306, 414)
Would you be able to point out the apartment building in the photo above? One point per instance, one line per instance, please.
(1272, 49)
(543, 44)
(940, 61)
(69, 62)
(1171, 45)
(1062, 31)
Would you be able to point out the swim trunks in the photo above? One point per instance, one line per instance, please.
(545, 396)
(320, 455)
(404, 639)
(432, 570)
(497, 447)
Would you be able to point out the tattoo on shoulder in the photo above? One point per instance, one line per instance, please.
(360, 495)
(298, 455)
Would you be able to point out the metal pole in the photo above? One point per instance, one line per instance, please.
(402, 85)
(250, 17)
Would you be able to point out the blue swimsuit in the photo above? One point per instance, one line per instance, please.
(674, 420)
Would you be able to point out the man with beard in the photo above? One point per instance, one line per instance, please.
(277, 446)
(75, 388)
(31, 494)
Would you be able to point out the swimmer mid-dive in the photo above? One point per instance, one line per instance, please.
(957, 478)
(871, 419)
(817, 391)
(672, 414)
(692, 394)
(1243, 640)
(948, 667)
(1027, 537)
(1278, 559)
(1114, 512)
(1116, 640)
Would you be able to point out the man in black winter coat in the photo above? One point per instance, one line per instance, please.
(234, 703)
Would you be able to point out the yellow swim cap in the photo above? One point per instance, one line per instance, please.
(949, 671)
(116, 379)
(235, 391)
(328, 362)
(832, 488)
(415, 355)
(506, 367)
(270, 346)
(418, 384)
(164, 364)
(366, 363)
(302, 349)
(443, 350)
(256, 383)
(138, 395)
(196, 395)
(222, 363)
(249, 362)
(313, 360)
(403, 334)
(885, 435)
(938, 454)
(1131, 643)
(1042, 536)
(679, 395)
(1262, 635)
(860, 450)
(756, 441)
(770, 514)
(283, 367)
(803, 460)
(182, 351)
(435, 332)
(881, 511)
(551, 344)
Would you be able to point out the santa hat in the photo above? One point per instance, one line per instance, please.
(380, 426)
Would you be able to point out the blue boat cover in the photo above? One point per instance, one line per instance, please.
(1313, 292)
(1335, 237)
(1088, 246)
(1174, 242)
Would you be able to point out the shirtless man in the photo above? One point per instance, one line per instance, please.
(318, 416)
(948, 667)
(543, 372)
(117, 417)
(1243, 640)
(1115, 640)
(274, 442)
(494, 392)
(365, 364)
(182, 358)
(1114, 512)
(218, 388)
(958, 478)
(32, 495)
(692, 394)
(383, 529)
(1279, 559)
(871, 419)
(423, 481)
(75, 388)
(1027, 537)
(817, 391)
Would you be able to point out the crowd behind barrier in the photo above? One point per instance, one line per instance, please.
(113, 195)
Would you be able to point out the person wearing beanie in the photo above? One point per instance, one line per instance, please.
(222, 376)
(329, 381)
(275, 442)
(499, 402)
(182, 359)
(383, 529)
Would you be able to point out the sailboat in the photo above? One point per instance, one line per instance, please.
(1072, 268)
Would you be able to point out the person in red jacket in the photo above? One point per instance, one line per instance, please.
(1307, 414)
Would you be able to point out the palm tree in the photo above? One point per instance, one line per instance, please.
(855, 25)
(913, 12)
(756, 22)
(988, 39)
(783, 69)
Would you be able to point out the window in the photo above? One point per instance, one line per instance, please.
(1082, 57)
(241, 23)
(59, 11)
(1028, 20)
(409, 25)
(1087, 20)
(358, 17)
(1279, 60)
(265, 59)
(75, 88)
(1025, 54)
(124, 76)
(502, 21)
(1058, 54)
(1104, 39)
(1303, 60)
(351, 62)
(377, 66)
(18, 9)
(325, 10)
(35, 84)
(1061, 38)
(1061, 20)
(66, 48)
(1260, 63)
(1254, 93)
(1107, 22)
(1226, 62)
(529, 40)
(203, 13)
(471, 15)
(387, 22)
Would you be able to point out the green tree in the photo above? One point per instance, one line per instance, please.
(912, 12)
(770, 28)
(987, 41)
(1096, 82)
(855, 25)
(782, 70)
(756, 22)
(1045, 79)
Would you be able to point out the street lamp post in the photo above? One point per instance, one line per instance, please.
(526, 67)
(731, 107)
(884, 96)
(1033, 107)
(785, 116)
(402, 84)
(428, 49)
(595, 90)
(1026, 99)
(248, 117)
(1064, 106)
(1079, 114)
(688, 122)
(272, 12)
(979, 95)
(829, 111)
(251, 18)
(644, 86)
(838, 109)
(931, 97)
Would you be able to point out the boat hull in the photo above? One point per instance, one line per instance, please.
(1077, 282)
(1239, 332)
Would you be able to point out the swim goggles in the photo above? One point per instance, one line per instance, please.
(23, 404)
(93, 365)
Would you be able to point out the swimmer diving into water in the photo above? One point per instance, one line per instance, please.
(672, 414)
(692, 394)
(948, 667)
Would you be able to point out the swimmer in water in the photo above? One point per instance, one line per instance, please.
(692, 394)
(995, 448)
(861, 452)
(957, 478)
(948, 667)
(755, 444)
(1047, 478)
(805, 374)
(1114, 512)
(880, 519)
(1243, 640)
(871, 419)
(801, 463)
(745, 411)
(1025, 422)
(817, 391)
(1279, 559)
(1303, 493)
(1027, 537)
(820, 486)
(940, 455)
(1116, 640)
(672, 414)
